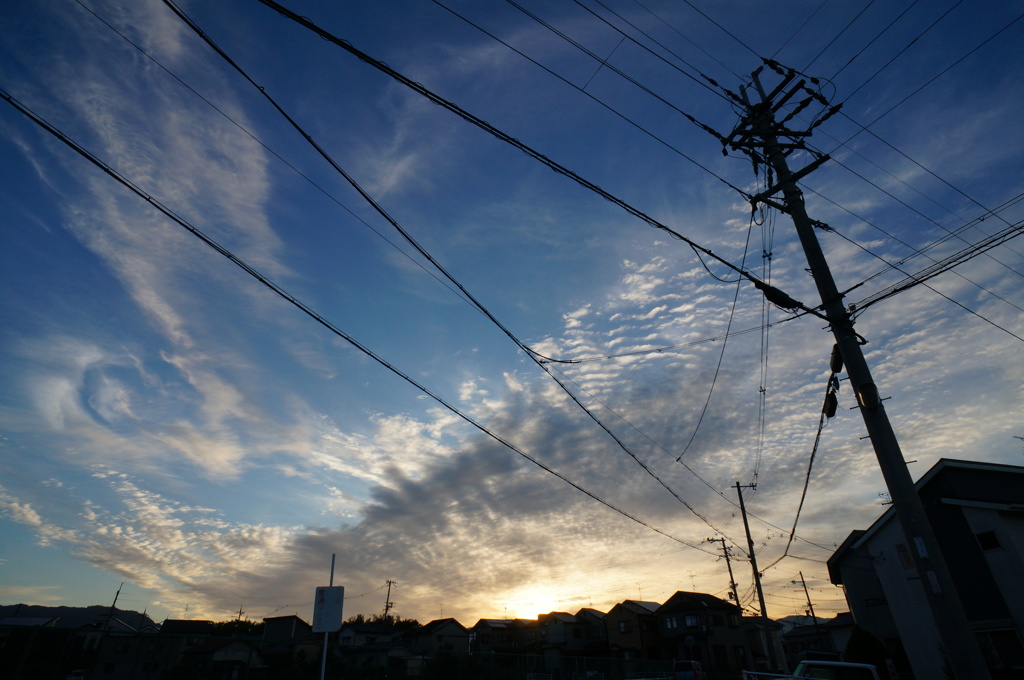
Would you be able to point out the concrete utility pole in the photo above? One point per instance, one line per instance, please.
(759, 129)
(388, 604)
(769, 639)
(728, 564)
(810, 610)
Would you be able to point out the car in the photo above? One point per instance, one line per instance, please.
(821, 670)
(835, 670)
(687, 670)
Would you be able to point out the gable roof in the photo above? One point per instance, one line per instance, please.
(437, 624)
(686, 600)
(638, 606)
(588, 612)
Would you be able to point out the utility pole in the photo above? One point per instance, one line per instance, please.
(388, 604)
(759, 130)
(768, 637)
(728, 564)
(810, 609)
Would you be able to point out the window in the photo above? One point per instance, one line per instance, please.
(625, 626)
(988, 540)
(692, 621)
(671, 622)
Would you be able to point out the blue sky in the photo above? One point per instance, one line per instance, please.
(170, 423)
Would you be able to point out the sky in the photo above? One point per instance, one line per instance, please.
(209, 426)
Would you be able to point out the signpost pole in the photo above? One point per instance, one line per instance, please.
(323, 659)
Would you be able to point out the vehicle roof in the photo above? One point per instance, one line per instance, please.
(823, 662)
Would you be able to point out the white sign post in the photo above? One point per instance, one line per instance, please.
(327, 613)
(327, 609)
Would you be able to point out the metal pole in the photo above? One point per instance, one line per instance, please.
(323, 658)
(768, 638)
(959, 646)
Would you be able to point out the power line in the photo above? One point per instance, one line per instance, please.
(721, 355)
(839, 34)
(912, 208)
(936, 76)
(901, 52)
(608, 107)
(639, 30)
(701, 12)
(537, 358)
(797, 31)
(269, 149)
(308, 311)
(774, 294)
(896, 266)
(876, 38)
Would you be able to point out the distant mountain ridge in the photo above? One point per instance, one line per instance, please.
(73, 617)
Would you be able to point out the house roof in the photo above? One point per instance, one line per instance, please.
(28, 621)
(686, 600)
(433, 627)
(588, 612)
(638, 606)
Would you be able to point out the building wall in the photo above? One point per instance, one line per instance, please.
(976, 513)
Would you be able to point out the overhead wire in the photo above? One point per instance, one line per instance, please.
(703, 14)
(875, 39)
(799, 28)
(582, 90)
(839, 34)
(941, 266)
(827, 407)
(936, 76)
(671, 28)
(604, 64)
(541, 360)
(865, 128)
(721, 355)
(708, 82)
(269, 149)
(913, 209)
(895, 266)
(315, 316)
(774, 294)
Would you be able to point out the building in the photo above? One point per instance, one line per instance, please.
(704, 628)
(633, 630)
(440, 635)
(595, 631)
(977, 511)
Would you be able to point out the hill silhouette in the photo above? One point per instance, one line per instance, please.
(74, 617)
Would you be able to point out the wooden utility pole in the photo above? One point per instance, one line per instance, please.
(768, 141)
(769, 639)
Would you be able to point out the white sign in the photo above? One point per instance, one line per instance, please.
(327, 609)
